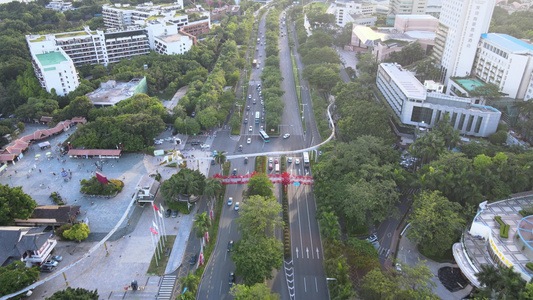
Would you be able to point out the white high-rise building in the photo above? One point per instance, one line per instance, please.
(461, 24)
(55, 70)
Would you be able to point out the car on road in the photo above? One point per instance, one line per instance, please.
(254, 102)
(212, 162)
(262, 127)
(297, 161)
(158, 142)
(372, 238)
(168, 212)
(193, 259)
(245, 121)
(240, 148)
(249, 141)
(398, 267)
(270, 159)
(248, 107)
(250, 96)
(57, 258)
(234, 172)
(231, 279)
(236, 205)
(245, 160)
(47, 269)
(250, 128)
(270, 166)
(262, 119)
(289, 160)
(50, 263)
(215, 153)
(286, 136)
(230, 245)
(174, 213)
(230, 201)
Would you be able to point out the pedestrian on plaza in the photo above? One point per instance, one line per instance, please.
(39, 170)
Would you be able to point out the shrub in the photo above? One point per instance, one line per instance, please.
(504, 231)
(95, 187)
(499, 220)
(59, 231)
(523, 213)
(57, 198)
(529, 266)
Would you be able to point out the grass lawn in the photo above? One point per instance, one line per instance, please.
(163, 260)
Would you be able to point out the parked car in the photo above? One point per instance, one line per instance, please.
(193, 259)
(47, 269)
(174, 213)
(276, 161)
(231, 279)
(236, 205)
(230, 245)
(168, 212)
(270, 166)
(245, 160)
(398, 267)
(50, 263)
(57, 258)
(249, 141)
(286, 136)
(372, 238)
(253, 101)
(270, 159)
(297, 161)
(212, 162)
(289, 160)
(230, 201)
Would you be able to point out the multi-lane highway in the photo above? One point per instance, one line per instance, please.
(302, 276)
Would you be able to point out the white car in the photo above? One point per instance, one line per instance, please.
(250, 129)
(286, 135)
(249, 141)
(230, 201)
(297, 161)
(236, 205)
(270, 160)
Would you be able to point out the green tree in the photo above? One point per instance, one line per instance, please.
(213, 187)
(201, 224)
(77, 232)
(408, 55)
(190, 282)
(260, 184)
(14, 204)
(258, 291)
(21, 126)
(220, 158)
(329, 225)
(16, 276)
(500, 283)
(186, 182)
(259, 216)
(255, 257)
(74, 294)
(435, 222)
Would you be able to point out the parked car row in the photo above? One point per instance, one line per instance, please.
(50, 265)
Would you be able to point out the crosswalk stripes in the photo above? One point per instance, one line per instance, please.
(166, 289)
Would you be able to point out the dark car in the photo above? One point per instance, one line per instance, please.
(47, 269)
(193, 259)
(168, 212)
(230, 245)
(246, 160)
(234, 172)
(231, 279)
(174, 213)
(212, 162)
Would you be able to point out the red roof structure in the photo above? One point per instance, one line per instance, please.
(95, 152)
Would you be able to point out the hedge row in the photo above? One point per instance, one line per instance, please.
(260, 164)
(504, 228)
(286, 228)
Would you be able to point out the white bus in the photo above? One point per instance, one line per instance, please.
(306, 159)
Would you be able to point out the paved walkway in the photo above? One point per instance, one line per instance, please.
(408, 254)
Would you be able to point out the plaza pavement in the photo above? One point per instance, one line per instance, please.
(127, 254)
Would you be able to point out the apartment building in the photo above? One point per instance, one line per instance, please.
(407, 7)
(124, 15)
(55, 70)
(505, 61)
(346, 11)
(413, 105)
(461, 24)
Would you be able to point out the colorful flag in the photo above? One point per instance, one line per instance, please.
(153, 231)
(155, 225)
(160, 214)
(155, 207)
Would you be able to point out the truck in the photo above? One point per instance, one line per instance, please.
(254, 62)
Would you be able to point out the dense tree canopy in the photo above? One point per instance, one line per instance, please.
(14, 204)
(186, 182)
(74, 294)
(258, 291)
(16, 276)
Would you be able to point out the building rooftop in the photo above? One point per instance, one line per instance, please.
(421, 35)
(51, 58)
(170, 38)
(508, 42)
(483, 244)
(416, 17)
(365, 34)
(469, 84)
(410, 86)
(111, 92)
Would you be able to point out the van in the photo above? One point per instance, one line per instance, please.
(277, 167)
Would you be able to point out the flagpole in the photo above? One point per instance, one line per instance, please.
(162, 221)
(155, 216)
(155, 251)
(163, 231)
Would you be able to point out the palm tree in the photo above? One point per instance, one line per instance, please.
(186, 182)
(212, 188)
(220, 158)
(190, 282)
(201, 224)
